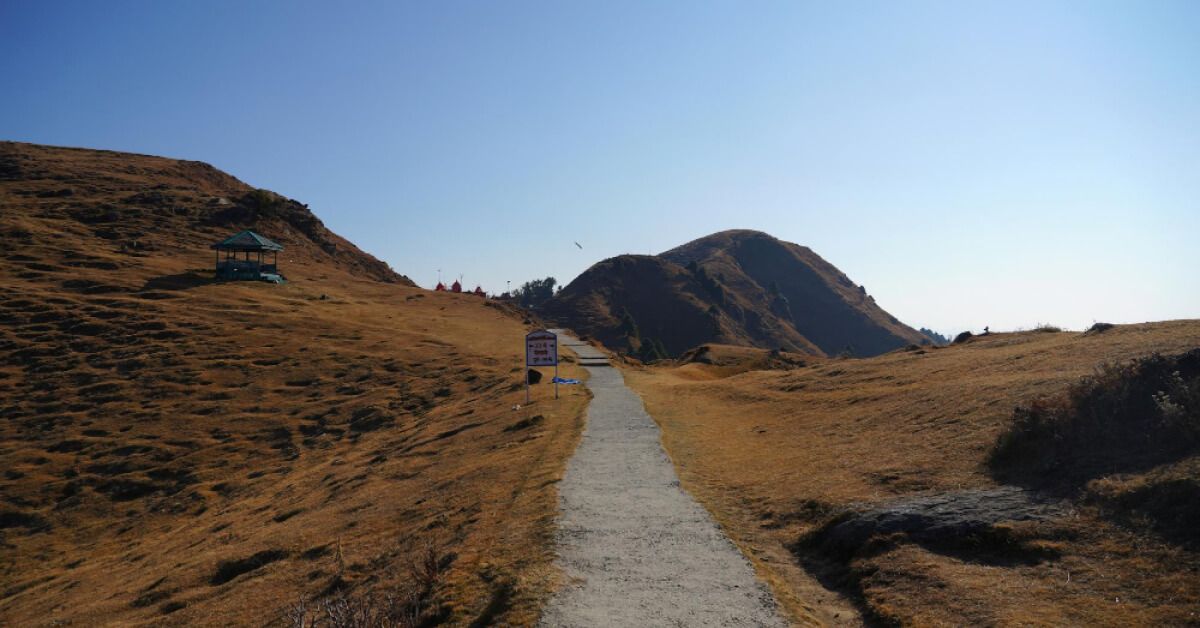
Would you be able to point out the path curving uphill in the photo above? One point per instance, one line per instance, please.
(636, 549)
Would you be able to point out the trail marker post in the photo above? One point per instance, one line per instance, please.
(541, 349)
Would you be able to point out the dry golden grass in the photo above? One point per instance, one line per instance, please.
(154, 425)
(775, 453)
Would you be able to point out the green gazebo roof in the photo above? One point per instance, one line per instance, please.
(247, 241)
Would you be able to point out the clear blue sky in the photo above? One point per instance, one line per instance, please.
(971, 163)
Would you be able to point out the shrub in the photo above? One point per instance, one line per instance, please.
(651, 349)
(710, 285)
(1124, 417)
(265, 202)
(933, 336)
(533, 294)
(781, 307)
(1047, 328)
(341, 610)
(963, 337)
(629, 326)
(408, 605)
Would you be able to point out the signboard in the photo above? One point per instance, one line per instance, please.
(541, 349)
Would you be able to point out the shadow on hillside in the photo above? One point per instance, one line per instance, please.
(1003, 527)
(179, 281)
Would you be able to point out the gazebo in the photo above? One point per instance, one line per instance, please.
(252, 265)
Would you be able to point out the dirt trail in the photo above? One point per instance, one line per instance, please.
(638, 550)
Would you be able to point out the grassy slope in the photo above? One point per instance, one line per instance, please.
(772, 453)
(154, 424)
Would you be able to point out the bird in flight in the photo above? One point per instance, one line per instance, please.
(579, 245)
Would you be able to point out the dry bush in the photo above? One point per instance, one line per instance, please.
(394, 609)
(408, 605)
(1125, 417)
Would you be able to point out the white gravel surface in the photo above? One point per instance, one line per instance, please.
(636, 549)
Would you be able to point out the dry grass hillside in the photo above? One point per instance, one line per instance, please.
(735, 287)
(143, 206)
(177, 451)
(875, 488)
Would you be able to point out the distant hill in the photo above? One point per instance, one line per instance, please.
(736, 287)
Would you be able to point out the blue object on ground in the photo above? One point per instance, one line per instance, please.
(564, 380)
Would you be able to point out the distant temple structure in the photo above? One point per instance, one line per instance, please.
(245, 258)
(457, 287)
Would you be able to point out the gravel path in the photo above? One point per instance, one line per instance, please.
(636, 549)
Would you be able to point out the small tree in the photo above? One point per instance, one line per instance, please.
(780, 306)
(711, 285)
(651, 349)
(629, 326)
(534, 293)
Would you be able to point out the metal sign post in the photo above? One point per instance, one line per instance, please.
(541, 349)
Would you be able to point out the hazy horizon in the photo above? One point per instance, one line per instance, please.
(1000, 164)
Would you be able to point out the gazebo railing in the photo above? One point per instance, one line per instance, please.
(243, 267)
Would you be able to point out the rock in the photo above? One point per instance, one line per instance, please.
(535, 376)
(945, 519)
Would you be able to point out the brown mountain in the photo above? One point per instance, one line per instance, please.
(180, 451)
(734, 287)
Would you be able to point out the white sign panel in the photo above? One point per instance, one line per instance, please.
(541, 349)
